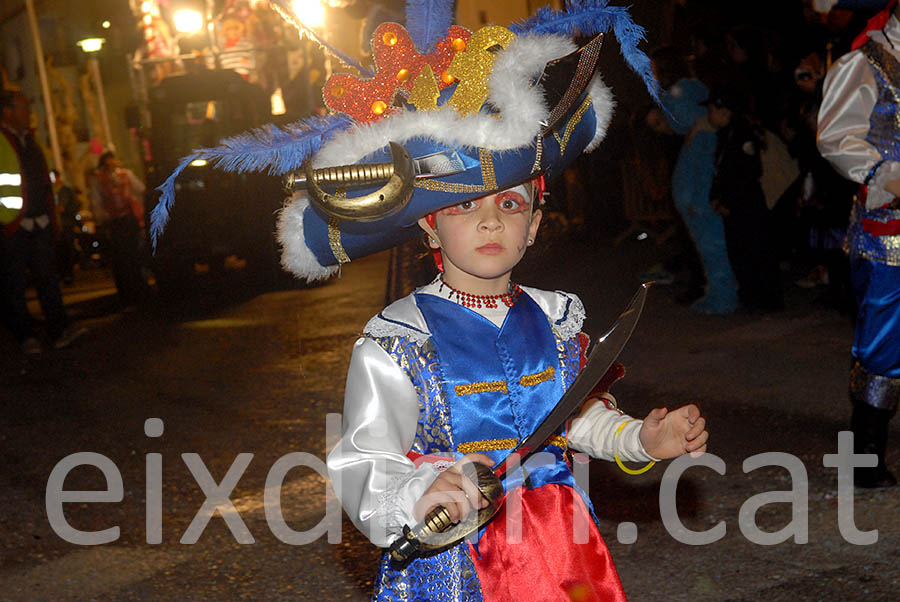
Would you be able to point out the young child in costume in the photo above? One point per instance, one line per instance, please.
(466, 367)
(858, 131)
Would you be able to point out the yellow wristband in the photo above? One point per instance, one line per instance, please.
(624, 468)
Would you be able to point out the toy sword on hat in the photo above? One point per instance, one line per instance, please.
(437, 531)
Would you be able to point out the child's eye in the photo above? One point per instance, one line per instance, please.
(464, 207)
(511, 203)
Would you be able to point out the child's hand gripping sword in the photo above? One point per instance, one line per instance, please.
(437, 531)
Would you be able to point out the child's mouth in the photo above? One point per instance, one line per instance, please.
(491, 248)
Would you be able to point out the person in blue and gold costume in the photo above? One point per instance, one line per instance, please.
(859, 134)
(466, 367)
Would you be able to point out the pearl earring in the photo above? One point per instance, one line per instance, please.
(530, 241)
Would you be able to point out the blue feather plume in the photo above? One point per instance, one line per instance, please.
(268, 148)
(427, 21)
(590, 17)
(286, 11)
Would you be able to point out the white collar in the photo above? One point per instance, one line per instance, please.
(891, 30)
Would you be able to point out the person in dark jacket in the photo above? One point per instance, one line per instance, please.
(737, 195)
(27, 239)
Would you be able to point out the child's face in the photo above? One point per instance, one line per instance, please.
(483, 239)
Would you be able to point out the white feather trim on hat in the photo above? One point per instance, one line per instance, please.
(603, 103)
(296, 257)
(510, 91)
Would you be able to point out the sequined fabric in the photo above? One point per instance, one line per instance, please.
(874, 390)
(884, 135)
(446, 577)
(569, 363)
(419, 361)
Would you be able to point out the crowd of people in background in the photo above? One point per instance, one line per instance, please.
(41, 231)
(732, 149)
(758, 204)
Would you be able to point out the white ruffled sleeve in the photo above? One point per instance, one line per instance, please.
(371, 474)
(850, 94)
(593, 432)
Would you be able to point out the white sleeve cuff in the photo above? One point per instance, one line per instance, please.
(876, 195)
(593, 432)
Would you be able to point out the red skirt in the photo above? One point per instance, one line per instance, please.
(553, 553)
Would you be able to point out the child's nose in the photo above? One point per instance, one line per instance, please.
(490, 218)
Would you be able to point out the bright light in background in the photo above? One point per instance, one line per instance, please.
(105, 24)
(188, 21)
(310, 12)
(198, 162)
(277, 101)
(91, 44)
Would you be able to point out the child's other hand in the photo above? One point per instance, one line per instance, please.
(666, 434)
(454, 491)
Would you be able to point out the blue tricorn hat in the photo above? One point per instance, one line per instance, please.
(537, 105)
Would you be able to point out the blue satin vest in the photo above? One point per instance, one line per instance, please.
(884, 135)
(500, 383)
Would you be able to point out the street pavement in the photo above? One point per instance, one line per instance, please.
(243, 367)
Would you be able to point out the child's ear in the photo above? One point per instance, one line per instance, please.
(433, 240)
(535, 222)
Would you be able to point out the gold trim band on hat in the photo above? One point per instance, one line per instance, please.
(438, 186)
(334, 241)
(570, 127)
(538, 153)
(488, 179)
(487, 169)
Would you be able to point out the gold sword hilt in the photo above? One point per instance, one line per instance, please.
(344, 176)
(437, 531)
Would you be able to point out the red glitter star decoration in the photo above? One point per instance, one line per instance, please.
(397, 65)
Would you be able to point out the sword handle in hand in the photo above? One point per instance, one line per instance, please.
(437, 531)
(407, 547)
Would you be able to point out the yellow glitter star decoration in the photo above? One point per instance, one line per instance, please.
(425, 92)
(472, 67)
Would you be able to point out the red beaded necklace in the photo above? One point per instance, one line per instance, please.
(489, 301)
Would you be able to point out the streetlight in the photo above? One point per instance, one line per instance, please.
(188, 21)
(310, 12)
(91, 46)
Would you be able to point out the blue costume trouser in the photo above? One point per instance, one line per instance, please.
(721, 287)
(875, 377)
(691, 183)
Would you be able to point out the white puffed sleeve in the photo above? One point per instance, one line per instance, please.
(371, 474)
(850, 94)
(593, 432)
